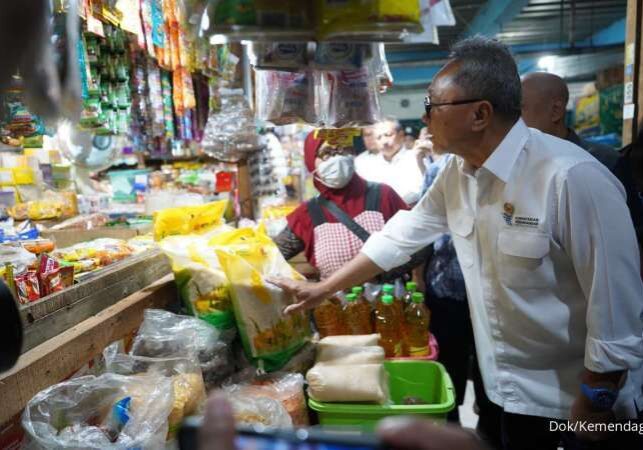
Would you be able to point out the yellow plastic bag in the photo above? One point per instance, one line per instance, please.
(188, 219)
(269, 338)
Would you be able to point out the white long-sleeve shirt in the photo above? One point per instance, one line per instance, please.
(551, 265)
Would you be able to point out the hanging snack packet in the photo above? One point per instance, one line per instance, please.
(280, 55)
(285, 97)
(353, 99)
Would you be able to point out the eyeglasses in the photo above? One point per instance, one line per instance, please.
(428, 105)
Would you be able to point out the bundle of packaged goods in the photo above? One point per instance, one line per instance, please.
(402, 322)
(95, 254)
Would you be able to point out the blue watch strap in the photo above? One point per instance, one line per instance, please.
(601, 398)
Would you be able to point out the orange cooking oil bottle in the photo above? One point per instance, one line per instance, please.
(388, 325)
(357, 313)
(417, 319)
(329, 318)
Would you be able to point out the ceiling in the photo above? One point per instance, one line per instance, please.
(520, 22)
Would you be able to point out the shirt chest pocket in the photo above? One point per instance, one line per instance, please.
(461, 227)
(523, 259)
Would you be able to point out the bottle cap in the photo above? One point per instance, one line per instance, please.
(387, 299)
(351, 297)
(358, 290)
(411, 286)
(388, 288)
(417, 297)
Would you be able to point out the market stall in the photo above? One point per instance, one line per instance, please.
(159, 192)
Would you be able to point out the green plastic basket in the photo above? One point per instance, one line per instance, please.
(426, 380)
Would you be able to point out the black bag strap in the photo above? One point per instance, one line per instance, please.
(315, 212)
(344, 218)
(372, 197)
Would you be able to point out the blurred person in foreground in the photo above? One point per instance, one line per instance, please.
(548, 252)
(218, 431)
(394, 164)
(544, 103)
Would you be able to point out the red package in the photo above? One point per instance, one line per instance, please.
(49, 276)
(27, 287)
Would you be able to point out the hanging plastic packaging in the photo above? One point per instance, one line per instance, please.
(231, 133)
(279, 55)
(341, 55)
(285, 97)
(352, 98)
(95, 413)
(380, 68)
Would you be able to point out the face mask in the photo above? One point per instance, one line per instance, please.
(336, 171)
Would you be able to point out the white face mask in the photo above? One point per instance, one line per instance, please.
(336, 171)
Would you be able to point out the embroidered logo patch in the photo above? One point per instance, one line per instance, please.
(508, 213)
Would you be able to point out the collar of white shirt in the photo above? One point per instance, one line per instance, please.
(502, 159)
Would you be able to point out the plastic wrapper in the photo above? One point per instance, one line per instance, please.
(348, 383)
(86, 222)
(380, 68)
(279, 55)
(230, 133)
(188, 219)
(185, 373)
(202, 284)
(166, 335)
(251, 411)
(17, 256)
(78, 413)
(341, 55)
(353, 98)
(285, 97)
(364, 340)
(340, 354)
(287, 388)
(269, 338)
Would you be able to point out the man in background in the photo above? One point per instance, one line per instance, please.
(544, 102)
(394, 165)
(365, 160)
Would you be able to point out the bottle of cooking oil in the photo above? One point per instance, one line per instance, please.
(411, 287)
(357, 313)
(417, 319)
(388, 325)
(329, 318)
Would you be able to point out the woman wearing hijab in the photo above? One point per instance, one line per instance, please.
(331, 228)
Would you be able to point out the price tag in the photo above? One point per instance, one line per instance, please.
(628, 112)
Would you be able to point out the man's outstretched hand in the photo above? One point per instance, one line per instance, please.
(307, 295)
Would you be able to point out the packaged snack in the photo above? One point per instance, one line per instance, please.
(285, 97)
(27, 287)
(49, 275)
(280, 55)
(353, 99)
(341, 55)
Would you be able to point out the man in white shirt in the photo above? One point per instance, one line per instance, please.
(365, 160)
(548, 253)
(393, 164)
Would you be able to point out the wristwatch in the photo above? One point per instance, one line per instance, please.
(602, 398)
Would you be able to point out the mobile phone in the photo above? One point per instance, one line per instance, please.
(259, 438)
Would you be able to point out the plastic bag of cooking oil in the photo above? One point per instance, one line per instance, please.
(269, 338)
(188, 219)
(201, 282)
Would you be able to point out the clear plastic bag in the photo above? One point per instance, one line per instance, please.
(249, 411)
(286, 97)
(287, 388)
(80, 413)
(231, 133)
(353, 99)
(279, 55)
(166, 335)
(185, 373)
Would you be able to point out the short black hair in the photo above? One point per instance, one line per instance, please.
(487, 70)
